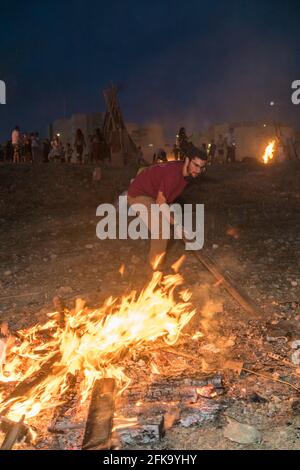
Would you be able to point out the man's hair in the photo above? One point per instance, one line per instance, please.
(194, 152)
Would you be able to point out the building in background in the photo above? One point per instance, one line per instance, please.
(66, 128)
(250, 138)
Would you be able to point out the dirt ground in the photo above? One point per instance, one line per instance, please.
(48, 247)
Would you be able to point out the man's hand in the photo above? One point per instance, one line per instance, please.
(160, 199)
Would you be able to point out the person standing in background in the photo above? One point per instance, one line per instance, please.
(176, 152)
(220, 148)
(98, 146)
(90, 149)
(46, 150)
(212, 152)
(16, 143)
(56, 151)
(230, 146)
(79, 144)
(69, 152)
(35, 148)
(27, 148)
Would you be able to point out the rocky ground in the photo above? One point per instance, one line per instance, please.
(48, 247)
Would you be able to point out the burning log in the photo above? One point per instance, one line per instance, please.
(170, 390)
(66, 426)
(204, 410)
(68, 399)
(170, 393)
(7, 340)
(9, 428)
(165, 404)
(14, 433)
(90, 341)
(100, 416)
(23, 388)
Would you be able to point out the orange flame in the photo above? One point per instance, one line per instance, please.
(92, 342)
(269, 152)
(233, 232)
(154, 368)
(122, 269)
(157, 261)
(177, 265)
(197, 335)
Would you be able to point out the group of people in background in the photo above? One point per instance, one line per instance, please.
(29, 147)
(24, 147)
(221, 151)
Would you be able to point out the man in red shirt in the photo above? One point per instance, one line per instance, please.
(161, 184)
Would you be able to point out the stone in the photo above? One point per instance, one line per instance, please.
(295, 405)
(296, 422)
(295, 357)
(256, 398)
(241, 433)
(7, 273)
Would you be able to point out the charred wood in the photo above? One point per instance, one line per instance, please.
(100, 416)
(14, 432)
(147, 431)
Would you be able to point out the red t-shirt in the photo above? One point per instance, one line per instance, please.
(164, 177)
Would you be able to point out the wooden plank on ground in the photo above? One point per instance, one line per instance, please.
(100, 416)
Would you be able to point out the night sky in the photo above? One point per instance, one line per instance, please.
(186, 63)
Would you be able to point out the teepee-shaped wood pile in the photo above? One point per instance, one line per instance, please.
(122, 148)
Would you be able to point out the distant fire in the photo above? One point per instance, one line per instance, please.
(269, 152)
(233, 232)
